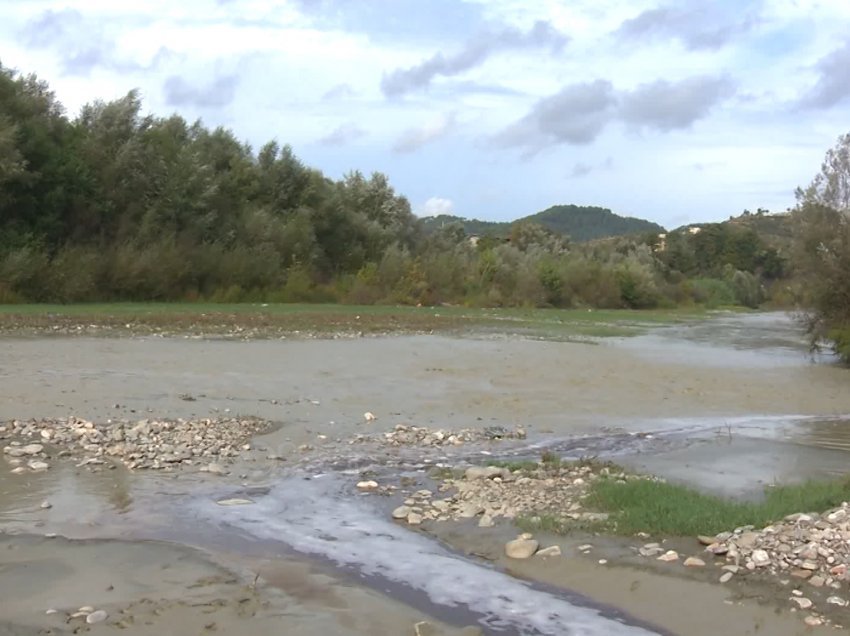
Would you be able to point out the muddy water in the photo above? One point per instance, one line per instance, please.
(729, 405)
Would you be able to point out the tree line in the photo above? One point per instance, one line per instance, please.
(116, 204)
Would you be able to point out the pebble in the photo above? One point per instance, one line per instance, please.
(813, 621)
(694, 562)
(603, 561)
(234, 501)
(414, 518)
(585, 548)
(760, 558)
(18, 470)
(521, 548)
(37, 465)
(670, 555)
(369, 416)
(401, 512)
(837, 600)
(552, 550)
(486, 521)
(367, 485)
(215, 469)
(802, 602)
(46, 505)
(98, 616)
(726, 577)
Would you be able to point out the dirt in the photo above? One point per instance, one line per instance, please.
(318, 391)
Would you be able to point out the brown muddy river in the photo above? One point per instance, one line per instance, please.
(729, 404)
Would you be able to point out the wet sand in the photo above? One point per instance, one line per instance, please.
(553, 389)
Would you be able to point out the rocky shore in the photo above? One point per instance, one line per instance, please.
(159, 444)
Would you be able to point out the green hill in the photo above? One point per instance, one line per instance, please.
(580, 223)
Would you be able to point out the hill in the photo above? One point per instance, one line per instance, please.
(580, 223)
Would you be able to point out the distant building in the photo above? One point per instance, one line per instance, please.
(694, 230)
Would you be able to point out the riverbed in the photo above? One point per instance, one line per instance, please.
(730, 405)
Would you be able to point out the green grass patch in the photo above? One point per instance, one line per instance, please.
(276, 318)
(663, 509)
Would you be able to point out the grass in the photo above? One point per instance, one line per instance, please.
(663, 509)
(273, 319)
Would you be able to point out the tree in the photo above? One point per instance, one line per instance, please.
(822, 249)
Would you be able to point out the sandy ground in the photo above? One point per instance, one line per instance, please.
(325, 387)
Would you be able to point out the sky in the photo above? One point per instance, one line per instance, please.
(678, 111)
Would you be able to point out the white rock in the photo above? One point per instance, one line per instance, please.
(813, 621)
(552, 550)
(369, 416)
(521, 548)
(97, 616)
(18, 470)
(401, 512)
(802, 602)
(670, 555)
(760, 558)
(367, 485)
(585, 548)
(46, 505)
(726, 577)
(486, 521)
(414, 518)
(37, 465)
(234, 501)
(32, 449)
(693, 562)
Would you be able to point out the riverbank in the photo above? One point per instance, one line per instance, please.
(311, 552)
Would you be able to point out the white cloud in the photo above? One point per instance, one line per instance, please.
(413, 139)
(435, 206)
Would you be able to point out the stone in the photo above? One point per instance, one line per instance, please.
(98, 616)
(802, 602)
(817, 581)
(215, 469)
(46, 505)
(401, 512)
(18, 470)
(486, 521)
(525, 536)
(37, 465)
(809, 565)
(552, 550)
(424, 628)
(32, 449)
(726, 577)
(585, 547)
(521, 548)
(369, 416)
(414, 519)
(747, 540)
(234, 501)
(801, 574)
(813, 621)
(670, 555)
(760, 558)
(367, 485)
(694, 562)
(704, 540)
(837, 600)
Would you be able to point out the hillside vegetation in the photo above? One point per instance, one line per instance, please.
(118, 205)
(579, 223)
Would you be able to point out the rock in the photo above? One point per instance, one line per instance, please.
(670, 555)
(694, 562)
(802, 602)
(704, 540)
(585, 548)
(414, 518)
(98, 616)
(367, 485)
(401, 512)
(37, 465)
(837, 516)
(552, 550)
(837, 600)
(726, 577)
(424, 628)
(369, 416)
(813, 621)
(234, 501)
(760, 558)
(484, 472)
(215, 469)
(809, 565)
(801, 574)
(32, 449)
(46, 505)
(18, 470)
(817, 581)
(747, 540)
(486, 521)
(602, 561)
(521, 548)
(525, 536)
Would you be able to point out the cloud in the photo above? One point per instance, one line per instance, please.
(414, 138)
(179, 92)
(342, 135)
(475, 52)
(82, 42)
(340, 91)
(667, 105)
(697, 26)
(581, 169)
(579, 113)
(435, 206)
(575, 115)
(833, 85)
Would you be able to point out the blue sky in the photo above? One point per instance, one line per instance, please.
(675, 111)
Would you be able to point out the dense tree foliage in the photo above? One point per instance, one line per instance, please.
(116, 204)
(823, 249)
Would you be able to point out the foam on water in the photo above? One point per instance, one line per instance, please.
(318, 517)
